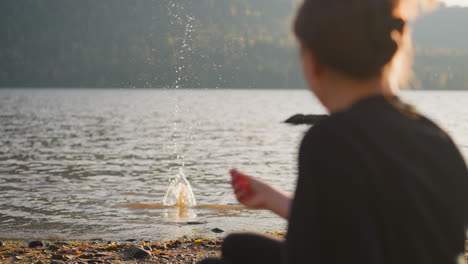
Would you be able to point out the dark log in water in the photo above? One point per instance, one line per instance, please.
(301, 119)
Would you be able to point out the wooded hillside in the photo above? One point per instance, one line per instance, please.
(184, 43)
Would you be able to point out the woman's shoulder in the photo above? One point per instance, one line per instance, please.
(377, 119)
(379, 113)
(335, 129)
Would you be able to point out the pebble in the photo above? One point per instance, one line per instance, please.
(1, 244)
(217, 230)
(57, 257)
(147, 248)
(214, 243)
(87, 256)
(61, 243)
(137, 252)
(60, 257)
(160, 246)
(37, 243)
(174, 244)
(53, 247)
(94, 261)
(195, 223)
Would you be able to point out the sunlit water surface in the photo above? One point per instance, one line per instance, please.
(97, 163)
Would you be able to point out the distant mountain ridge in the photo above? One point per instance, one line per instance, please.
(446, 28)
(442, 49)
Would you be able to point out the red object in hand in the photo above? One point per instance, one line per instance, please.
(239, 179)
(243, 182)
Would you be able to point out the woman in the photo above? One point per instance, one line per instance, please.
(378, 182)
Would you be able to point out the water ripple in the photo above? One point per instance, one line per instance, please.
(95, 163)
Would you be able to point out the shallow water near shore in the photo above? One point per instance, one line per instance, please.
(88, 164)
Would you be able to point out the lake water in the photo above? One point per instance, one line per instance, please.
(89, 164)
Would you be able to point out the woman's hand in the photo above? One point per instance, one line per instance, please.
(257, 194)
(249, 191)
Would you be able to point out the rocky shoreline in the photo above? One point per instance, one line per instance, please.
(184, 250)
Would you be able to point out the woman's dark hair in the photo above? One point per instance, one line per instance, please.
(355, 37)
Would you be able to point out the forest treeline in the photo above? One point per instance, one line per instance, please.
(188, 44)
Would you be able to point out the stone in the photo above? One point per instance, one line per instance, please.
(87, 256)
(301, 119)
(35, 244)
(95, 261)
(217, 230)
(2, 244)
(174, 244)
(194, 223)
(61, 243)
(53, 247)
(159, 246)
(137, 252)
(147, 248)
(60, 257)
(214, 243)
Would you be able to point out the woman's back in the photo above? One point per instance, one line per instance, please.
(378, 183)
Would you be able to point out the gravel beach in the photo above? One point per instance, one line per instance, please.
(184, 250)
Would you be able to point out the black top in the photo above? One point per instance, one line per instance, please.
(378, 183)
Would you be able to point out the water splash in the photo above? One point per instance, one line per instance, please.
(182, 27)
(180, 192)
